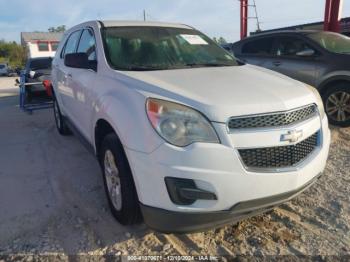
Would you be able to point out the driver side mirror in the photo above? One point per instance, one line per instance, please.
(79, 60)
(306, 52)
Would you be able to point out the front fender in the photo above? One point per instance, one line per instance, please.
(127, 116)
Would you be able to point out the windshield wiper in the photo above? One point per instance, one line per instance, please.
(206, 64)
(153, 68)
(142, 68)
(133, 67)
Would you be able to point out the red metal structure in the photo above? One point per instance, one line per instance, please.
(332, 15)
(244, 18)
(331, 20)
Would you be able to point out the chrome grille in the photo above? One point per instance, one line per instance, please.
(273, 119)
(279, 157)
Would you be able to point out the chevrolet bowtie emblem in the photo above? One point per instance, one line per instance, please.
(292, 136)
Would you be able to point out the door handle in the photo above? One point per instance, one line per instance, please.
(277, 63)
(69, 75)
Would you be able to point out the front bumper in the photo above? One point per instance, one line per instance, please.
(181, 222)
(217, 168)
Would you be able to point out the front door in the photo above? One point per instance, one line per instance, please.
(289, 60)
(63, 75)
(83, 83)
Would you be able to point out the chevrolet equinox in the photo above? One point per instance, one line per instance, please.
(188, 137)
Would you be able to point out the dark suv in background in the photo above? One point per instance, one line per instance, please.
(318, 58)
(37, 70)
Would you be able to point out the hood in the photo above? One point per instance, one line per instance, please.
(223, 92)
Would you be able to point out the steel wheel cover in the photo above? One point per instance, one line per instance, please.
(113, 180)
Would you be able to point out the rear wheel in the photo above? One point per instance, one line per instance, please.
(59, 120)
(118, 181)
(337, 104)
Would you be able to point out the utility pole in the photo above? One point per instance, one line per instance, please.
(333, 15)
(244, 18)
(144, 15)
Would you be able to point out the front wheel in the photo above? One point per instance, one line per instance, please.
(337, 104)
(118, 181)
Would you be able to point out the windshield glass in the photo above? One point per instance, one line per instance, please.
(40, 64)
(2, 66)
(333, 42)
(161, 48)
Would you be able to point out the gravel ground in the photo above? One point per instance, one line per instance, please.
(53, 203)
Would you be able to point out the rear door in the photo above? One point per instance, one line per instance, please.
(257, 51)
(288, 62)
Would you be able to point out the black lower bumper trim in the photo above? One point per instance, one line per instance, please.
(185, 222)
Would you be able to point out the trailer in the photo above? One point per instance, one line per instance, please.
(35, 104)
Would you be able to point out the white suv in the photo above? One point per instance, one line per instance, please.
(188, 138)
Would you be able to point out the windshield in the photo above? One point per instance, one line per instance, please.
(333, 42)
(2, 66)
(161, 48)
(38, 64)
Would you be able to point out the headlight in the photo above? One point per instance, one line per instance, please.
(178, 124)
(319, 101)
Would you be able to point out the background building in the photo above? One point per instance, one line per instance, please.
(40, 44)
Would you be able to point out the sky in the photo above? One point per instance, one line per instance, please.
(215, 18)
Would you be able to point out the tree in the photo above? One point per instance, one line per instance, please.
(58, 29)
(12, 53)
(220, 40)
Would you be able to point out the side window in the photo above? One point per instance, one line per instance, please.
(261, 46)
(71, 43)
(290, 46)
(54, 46)
(87, 44)
(43, 46)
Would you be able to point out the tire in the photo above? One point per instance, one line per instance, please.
(336, 101)
(28, 96)
(61, 125)
(118, 182)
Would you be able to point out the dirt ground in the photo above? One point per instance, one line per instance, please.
(52, 202)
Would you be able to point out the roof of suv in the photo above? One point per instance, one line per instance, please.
(121, 23)
(112, 23)
(277, 32)
(301, 32)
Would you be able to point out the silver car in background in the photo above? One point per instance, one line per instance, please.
(4, 69)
